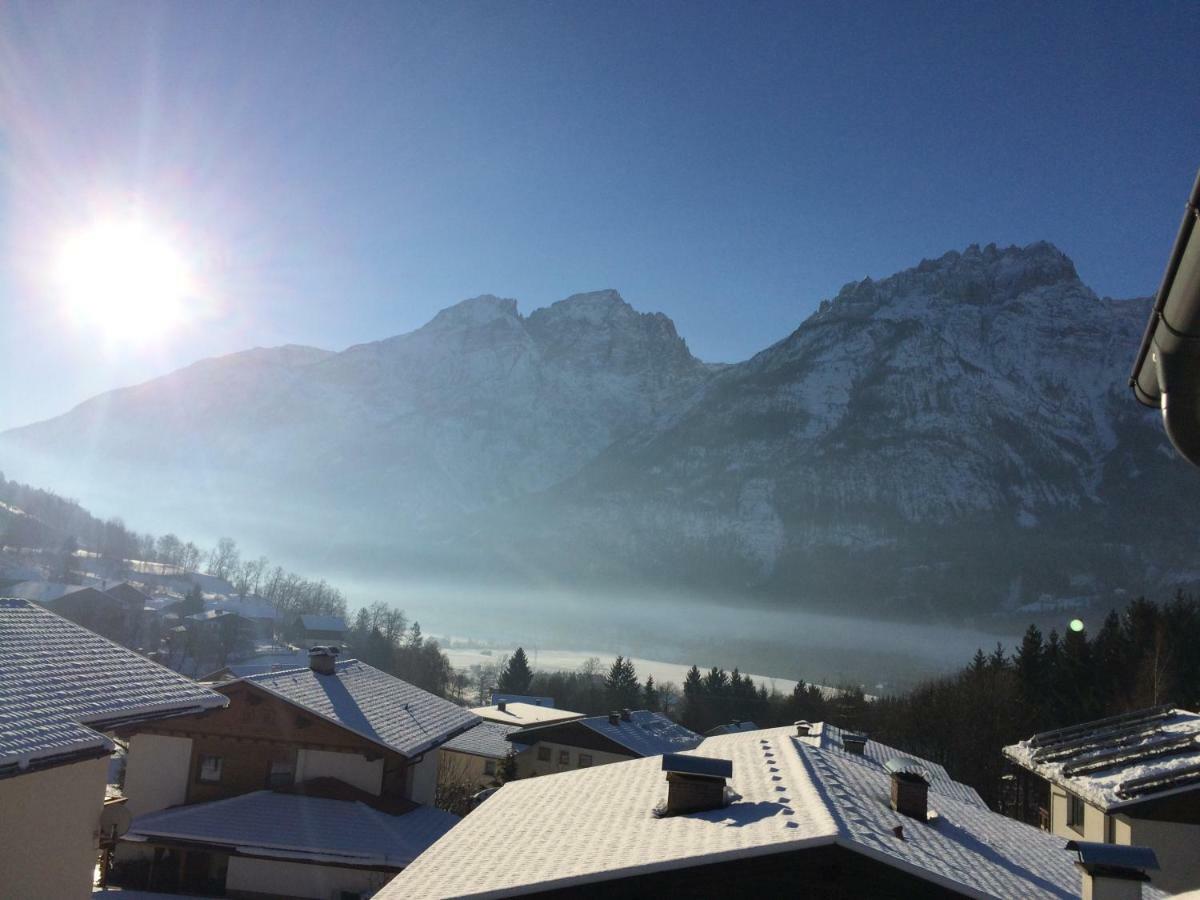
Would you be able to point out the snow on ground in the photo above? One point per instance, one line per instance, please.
(571, 660)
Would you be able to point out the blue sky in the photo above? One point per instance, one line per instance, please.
(339, 172)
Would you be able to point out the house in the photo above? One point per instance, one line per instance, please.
(321, 629)
(263, 617)
(62, 688)
(1132, 779)
(596, 740)
(522, 714)
(361, 742)
(130, 595)
(775, 812)
(228, 633)
(476, 757)
(321, 839)
(114, 617)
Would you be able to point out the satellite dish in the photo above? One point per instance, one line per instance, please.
(115, 815)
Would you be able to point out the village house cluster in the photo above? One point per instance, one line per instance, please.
(317, 776)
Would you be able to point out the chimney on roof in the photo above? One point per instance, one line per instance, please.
(1112, 871)
(614, 718)
(695, 783)
(910, 787)
(626, 716)
(502, 706)
(854, 743)
(323, 660)
(803, 728)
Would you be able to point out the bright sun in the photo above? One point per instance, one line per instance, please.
(124, 279)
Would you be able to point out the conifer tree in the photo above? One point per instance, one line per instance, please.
(516, 675)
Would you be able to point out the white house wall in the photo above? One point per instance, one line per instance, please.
(156, 772)
(352, 768)
(272, 878)
(422, 779)
(48, 825)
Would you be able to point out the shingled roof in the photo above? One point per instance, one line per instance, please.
(294, 826)
(599, 825)
(373, 704)
(62, 685)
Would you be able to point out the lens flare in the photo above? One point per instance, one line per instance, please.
(124, 279)
(1077, 624)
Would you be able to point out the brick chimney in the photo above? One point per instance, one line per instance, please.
(502, 706)
(695, 783)
(323, 660)
(614, 718)
(803, 728)
(1112, 871)
(626, 716)
(910, 787)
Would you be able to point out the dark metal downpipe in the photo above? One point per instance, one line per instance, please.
(1167, 371)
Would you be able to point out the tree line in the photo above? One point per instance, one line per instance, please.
(1145, 655)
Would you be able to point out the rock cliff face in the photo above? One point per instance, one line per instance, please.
(957, 437)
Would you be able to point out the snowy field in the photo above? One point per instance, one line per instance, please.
(570, 660)
(666, 633)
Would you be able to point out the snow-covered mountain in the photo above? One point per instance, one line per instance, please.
(955, 437)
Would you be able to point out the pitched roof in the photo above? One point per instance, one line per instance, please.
(825, 736)
(1120, 760)
(645, 734)
(295, 826)
(374, 704)
(128, 593)
(61, 684)
(524, 714)
(731, 728)
(598, 824)
(488, 739)
(323, 623)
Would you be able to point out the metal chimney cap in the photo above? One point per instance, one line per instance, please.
(1114, 860)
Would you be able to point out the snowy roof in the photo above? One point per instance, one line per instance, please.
(323, 623)
(249, 610)
(1120, 760)
(498, 697)
(524, 714)
(488, 739)
(374, 704)
(731, 728)
(825, 736)
(645, 734)
(597, 824)
(269, 662)
(293, 826)
(61, 684)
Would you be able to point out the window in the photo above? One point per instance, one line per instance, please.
(585, 760)
(210, 770)
(280, 774)
(489, 767)
(564, 757)
(1075, 812)
(543, 754)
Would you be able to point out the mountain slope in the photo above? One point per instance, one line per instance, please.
(955, 437)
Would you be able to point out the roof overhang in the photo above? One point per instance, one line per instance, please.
(1166, 373)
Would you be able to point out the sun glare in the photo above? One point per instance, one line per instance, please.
(124, 279)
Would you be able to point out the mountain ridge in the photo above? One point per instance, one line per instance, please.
(882, 452)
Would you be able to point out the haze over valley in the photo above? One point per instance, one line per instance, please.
(953, 444)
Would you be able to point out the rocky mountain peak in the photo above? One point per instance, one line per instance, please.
(475, 312)
(981, 276)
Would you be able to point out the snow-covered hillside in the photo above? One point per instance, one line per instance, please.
(957, 436)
